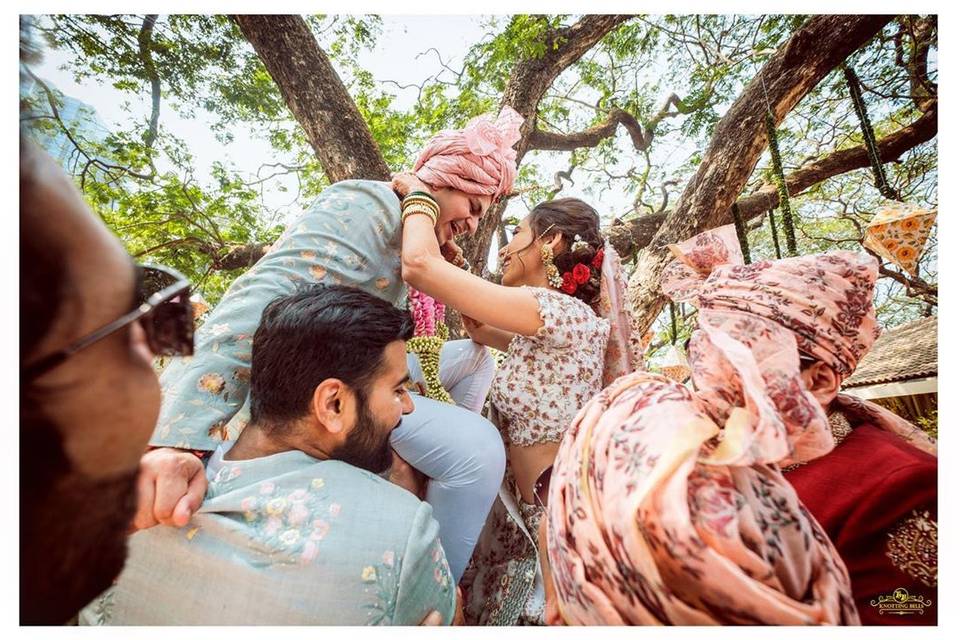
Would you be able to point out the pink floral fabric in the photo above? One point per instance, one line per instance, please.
(625, 346)
(477, 159)
(667, 505)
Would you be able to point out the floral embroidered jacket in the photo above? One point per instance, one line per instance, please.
(876, 497)
(286, 539)
(349, 235)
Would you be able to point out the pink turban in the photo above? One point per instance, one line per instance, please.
(478, 159)
(825, 300)
(821, 305)
(667, 505)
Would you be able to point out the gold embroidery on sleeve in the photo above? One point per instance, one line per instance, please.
(912, 547)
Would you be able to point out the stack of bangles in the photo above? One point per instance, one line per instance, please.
(421, 202)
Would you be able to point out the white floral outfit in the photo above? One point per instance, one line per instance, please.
(536, 393)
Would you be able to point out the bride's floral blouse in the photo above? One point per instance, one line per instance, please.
(546, 378)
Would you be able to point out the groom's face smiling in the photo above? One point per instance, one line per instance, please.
(460, 213)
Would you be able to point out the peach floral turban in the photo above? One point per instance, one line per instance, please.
(667, 505)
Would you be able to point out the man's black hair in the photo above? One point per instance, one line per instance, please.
(319, 332)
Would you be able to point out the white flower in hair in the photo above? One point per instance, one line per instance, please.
(578, 243)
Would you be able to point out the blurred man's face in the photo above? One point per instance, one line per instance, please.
(86, 422)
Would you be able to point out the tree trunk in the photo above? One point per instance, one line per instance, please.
(821, 44)
(528, 82)
(630, 237)
(316, 96)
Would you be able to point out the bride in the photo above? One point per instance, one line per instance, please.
(559, 316)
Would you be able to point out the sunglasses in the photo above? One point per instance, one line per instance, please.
(162, 308)
(541, 488)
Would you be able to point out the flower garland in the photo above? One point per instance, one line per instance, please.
(429, 335)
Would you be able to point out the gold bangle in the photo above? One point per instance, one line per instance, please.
(420, 196)
(418, 205)
(411, 210)
(417, 200)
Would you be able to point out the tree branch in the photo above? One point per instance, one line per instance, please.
(641, 135)
(636, 234)
(316, 96)
(90, 160)
(146, 58)
(527, 85)
(739, 138)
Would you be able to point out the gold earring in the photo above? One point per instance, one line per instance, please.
(553, 275)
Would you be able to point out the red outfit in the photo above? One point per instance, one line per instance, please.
(876, 497)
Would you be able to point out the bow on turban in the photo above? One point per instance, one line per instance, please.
(478, 159)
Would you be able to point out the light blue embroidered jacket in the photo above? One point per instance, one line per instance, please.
(286, 539)
(349, 235)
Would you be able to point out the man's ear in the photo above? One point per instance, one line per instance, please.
(822, 382)
(332, 405)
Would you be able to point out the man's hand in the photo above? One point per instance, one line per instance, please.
(453, 254)
(170, 488)
(473, 328)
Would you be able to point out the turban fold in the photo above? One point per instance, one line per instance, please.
(478, 159)
(668, 505)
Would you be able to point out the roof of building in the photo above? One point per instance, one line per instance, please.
(901, 353)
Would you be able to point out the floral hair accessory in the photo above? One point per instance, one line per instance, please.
(581, 273)
(597, 261)
(578, 243)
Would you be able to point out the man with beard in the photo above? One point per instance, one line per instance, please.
(84, 307)
(296, 526)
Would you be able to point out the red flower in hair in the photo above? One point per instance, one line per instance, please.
(581, 273)
(569, 284)
(597, 259)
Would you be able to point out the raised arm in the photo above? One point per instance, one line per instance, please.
(512, 309)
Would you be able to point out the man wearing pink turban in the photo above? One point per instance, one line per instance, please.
(670, 506)
(351, 235)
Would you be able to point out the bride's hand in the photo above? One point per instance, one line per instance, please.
(405, 182)
(473, 328)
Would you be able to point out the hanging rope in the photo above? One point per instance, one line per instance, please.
(781, 180)
(879, 175)
(773, 233)
(741, 233)
(673, 324)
